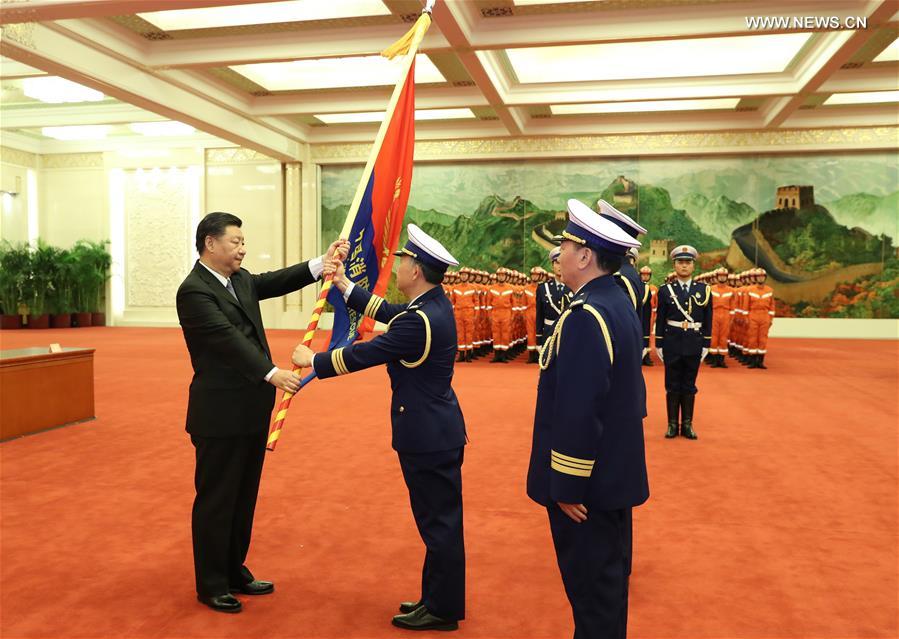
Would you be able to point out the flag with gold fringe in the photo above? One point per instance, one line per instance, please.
(375, 217)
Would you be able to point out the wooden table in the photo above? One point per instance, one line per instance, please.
(41, 390)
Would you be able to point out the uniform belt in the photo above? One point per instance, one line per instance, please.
(685, 325)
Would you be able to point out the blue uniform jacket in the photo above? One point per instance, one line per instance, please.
(588, 427)
(695, 301)
(419, 348)
(629, 280)
(550, 304)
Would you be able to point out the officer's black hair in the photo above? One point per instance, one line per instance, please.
(214, 225)
(431, 276)
(607, 261)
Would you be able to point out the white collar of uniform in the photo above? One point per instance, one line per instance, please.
(221, 278)
(685, 284)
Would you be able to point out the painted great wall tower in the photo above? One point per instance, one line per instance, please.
(749, 248)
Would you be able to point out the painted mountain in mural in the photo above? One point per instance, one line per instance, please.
(717, 216)
(755, 182)
(493, 235)
(873, 213)
(651, 207)
(810, 240)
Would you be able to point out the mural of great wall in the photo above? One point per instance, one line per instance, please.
(824, 228)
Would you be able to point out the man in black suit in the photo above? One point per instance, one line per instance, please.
(231, 399)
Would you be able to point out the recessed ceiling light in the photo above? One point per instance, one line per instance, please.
(890, 54)
(160, 129)
(865, 97)
(378, 116)
(55, 90)
(645, 107)
(263, 13)
(657, 59)
(332, 73)
(83, 132)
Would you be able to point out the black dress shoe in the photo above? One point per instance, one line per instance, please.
(255, 587)
(408, 606)
(421, 619)
(221, 603)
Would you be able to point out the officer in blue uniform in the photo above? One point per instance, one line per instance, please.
(419, 348)
(627, 276)
(587, 463)
(551, 296)
(683, 336)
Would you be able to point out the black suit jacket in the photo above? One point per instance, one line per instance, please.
(230, 356)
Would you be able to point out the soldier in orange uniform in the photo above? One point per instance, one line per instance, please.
(501, 315)
(738, 323)
(463, 305)
(530, 314)
(722, 305)
(732, 282)
(761, 316)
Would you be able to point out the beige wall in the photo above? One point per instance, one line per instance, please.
(73, 204)
(253, 191)
(149, 207)
(14, 208)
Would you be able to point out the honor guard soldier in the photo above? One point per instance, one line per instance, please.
(587, 463)
(419, 348)
(683, 335)
(628, 277)
(646, 308)
(550, 298)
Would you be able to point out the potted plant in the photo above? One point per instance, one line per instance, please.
(61, 294)
(39, 284)
(14, 269)
(100, 260)
(82, 283)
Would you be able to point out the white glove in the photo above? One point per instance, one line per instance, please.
(705, 352)
(659, 353)
(645, 351)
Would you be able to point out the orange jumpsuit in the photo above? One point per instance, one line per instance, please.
(722, 305)
(740, 311)
(761, 314)
(518, 330)
(501, 315)
(486, 308)
(464, 303)
(530, 315)
(477, 331)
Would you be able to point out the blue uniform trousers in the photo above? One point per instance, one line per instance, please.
(434, 481)
(680, 372)
(594, 559)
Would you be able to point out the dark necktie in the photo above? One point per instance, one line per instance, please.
(230, 288)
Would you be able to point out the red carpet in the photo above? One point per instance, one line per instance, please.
(780, 521)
